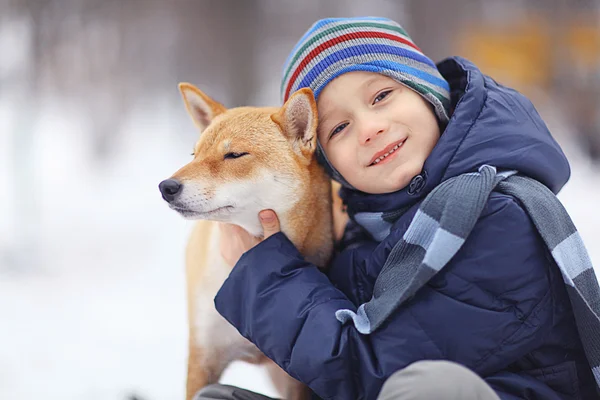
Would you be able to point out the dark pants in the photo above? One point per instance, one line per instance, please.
(422, 380)
(226, 392)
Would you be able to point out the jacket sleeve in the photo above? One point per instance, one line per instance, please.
(350, 267)
(286, 307)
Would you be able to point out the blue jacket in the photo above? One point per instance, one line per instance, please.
(499, 307)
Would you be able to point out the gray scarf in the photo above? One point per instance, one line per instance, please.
(443, 223)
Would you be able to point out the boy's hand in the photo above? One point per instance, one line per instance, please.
(269, 222)
(235, 240)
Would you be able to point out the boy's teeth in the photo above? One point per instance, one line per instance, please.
(378, 159)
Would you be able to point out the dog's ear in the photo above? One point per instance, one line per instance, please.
(298, 121)
(201, 108)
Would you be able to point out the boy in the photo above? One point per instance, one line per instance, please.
(492, 319)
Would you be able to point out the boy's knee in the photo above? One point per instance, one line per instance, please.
(436, 380)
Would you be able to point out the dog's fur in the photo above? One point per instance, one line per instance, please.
(247, 159)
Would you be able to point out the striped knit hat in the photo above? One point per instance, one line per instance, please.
(334, 46)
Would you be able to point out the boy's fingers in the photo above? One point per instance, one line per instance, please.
(269, 222)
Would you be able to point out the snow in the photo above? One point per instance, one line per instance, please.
(94, 308)
(98, 311)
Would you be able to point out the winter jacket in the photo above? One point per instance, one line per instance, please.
(499, 307)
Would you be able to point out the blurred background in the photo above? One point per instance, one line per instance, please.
(92, 295)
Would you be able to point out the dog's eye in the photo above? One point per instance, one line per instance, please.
(234, 155)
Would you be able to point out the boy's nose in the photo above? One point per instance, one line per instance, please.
(368, 134)
(169, 188)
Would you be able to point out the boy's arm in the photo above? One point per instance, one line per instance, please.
(359, 258)
(286, 306)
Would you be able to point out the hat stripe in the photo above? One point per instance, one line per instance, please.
(292, 65)
(326, 24)
(381, 59)
(328, 28)
(427, 90)
(358, 50)
(371, 56)
(417, 56)
(324, 28)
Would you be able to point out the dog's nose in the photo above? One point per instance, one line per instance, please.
(169, 189)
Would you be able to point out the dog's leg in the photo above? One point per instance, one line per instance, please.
(203, 370)
(204, 275)
(197, 376)
(207, 362)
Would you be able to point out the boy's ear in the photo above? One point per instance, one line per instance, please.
(201, 108)
(298, 121)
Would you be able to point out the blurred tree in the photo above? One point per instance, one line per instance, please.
(215, 48)
(24, 81)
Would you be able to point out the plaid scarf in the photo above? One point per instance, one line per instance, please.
(443, 223)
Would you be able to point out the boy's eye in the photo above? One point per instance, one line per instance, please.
(381, 96)
(338, 129)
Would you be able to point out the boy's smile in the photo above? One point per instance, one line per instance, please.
(375, 131)
(383, 156)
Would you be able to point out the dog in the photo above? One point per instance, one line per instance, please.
(247, 159)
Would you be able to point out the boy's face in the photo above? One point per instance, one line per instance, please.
(365, 115)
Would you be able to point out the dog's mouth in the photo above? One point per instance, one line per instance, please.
(195, 214)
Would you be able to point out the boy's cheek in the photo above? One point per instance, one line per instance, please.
(341, 163)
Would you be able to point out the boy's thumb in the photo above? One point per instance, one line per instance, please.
(269, 222)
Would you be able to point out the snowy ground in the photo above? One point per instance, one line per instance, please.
(97, 311)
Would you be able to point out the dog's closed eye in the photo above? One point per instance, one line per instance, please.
(234, 155)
